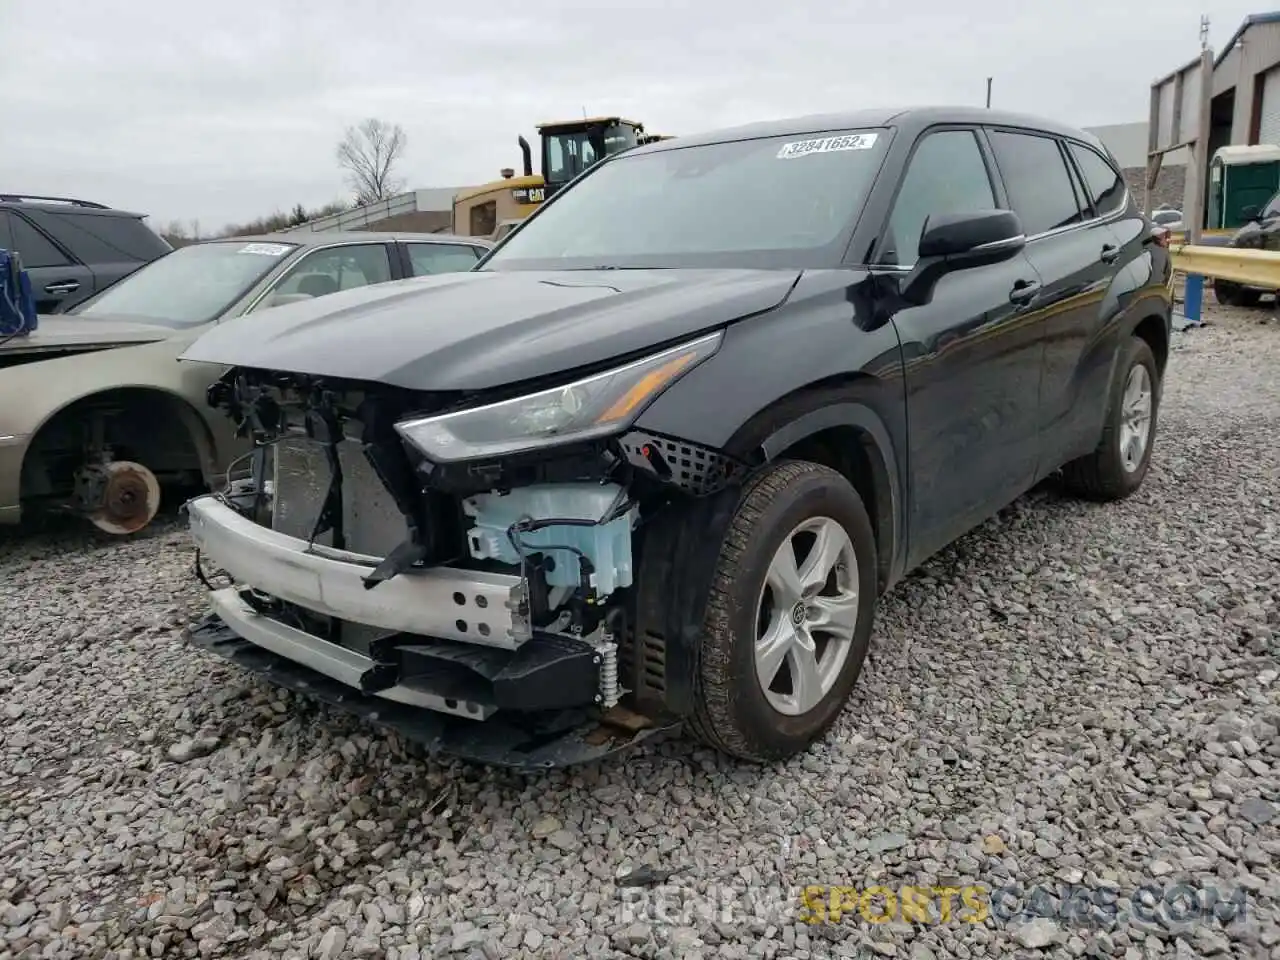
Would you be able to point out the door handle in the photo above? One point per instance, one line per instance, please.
(62, 286)
(1110, 253)
(1024, 291)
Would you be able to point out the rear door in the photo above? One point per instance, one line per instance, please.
(58, 280)
(425, 258)
(1076, 254)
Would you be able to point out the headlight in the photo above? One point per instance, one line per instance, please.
(595, 406)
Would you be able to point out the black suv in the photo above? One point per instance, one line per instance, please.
(654, 460)
(74, 248)
(1261, 232)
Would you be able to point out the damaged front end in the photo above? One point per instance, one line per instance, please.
(464, 574)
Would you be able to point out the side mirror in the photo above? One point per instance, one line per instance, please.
(1251, 213)
(961, 241)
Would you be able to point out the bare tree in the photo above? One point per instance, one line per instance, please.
(369, 153)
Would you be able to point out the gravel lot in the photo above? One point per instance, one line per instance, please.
(1070, 695)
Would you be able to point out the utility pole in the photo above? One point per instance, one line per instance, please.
(988, 93)
(1204, 31)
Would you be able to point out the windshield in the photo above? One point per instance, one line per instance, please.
(568, 154)
(190, 286)
(778, 201)
(1273, 208)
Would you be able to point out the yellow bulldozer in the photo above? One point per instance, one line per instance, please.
(568, 147)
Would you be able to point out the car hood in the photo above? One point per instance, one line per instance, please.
(471, 331)
(61, 333)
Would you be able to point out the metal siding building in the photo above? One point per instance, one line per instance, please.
(1245, 108)
(1246, 84)
(1128, 142)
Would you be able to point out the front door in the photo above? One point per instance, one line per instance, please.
(972, 356)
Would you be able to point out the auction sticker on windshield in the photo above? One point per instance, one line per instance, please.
(802, 148)
(266, 249)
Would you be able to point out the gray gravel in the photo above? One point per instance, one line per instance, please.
(1071, 695)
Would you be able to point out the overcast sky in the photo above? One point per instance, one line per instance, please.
(225, 111)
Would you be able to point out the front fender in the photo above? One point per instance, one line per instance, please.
(815, 337)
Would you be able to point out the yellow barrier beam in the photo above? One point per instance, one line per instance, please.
(1260, 268)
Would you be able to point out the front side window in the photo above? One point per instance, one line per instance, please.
(946, 174)
(426, 259)
(191, 285)
(1106, 187)
(1037, 179)
(338, 268)
(771, 201)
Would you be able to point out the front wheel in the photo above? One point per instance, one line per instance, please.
(789, 615)
(1118, 465)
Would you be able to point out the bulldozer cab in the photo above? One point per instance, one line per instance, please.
(569, 147)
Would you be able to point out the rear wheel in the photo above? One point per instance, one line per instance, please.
(1118, 465)
(789, 615)
(1233, 295)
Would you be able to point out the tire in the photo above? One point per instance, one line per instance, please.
(733, 712)
(1107, 474)
(1233, 295)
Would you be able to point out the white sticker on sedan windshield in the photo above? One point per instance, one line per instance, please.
(266, 249)
(802, 148)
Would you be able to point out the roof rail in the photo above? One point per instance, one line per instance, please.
(21, 197)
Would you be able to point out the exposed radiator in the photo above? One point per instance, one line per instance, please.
(371, 522)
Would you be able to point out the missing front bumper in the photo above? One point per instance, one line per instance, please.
(523, 741)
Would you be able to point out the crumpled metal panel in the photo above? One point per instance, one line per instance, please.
(372, 523)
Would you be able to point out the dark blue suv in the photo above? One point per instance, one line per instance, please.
(74, 248)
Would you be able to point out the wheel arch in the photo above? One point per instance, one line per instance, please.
(834, 422)
(194, 429)
(1153, 328)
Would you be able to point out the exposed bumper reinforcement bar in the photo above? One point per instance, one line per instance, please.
(338, 663)
(520, 741)
(466, 605)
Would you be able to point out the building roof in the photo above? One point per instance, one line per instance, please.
(1250, 21)
(1238, 154)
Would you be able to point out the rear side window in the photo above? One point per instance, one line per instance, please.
(1105, 186)
(99, 238)
(430, 258)
(1037, 180)
(33, 246)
